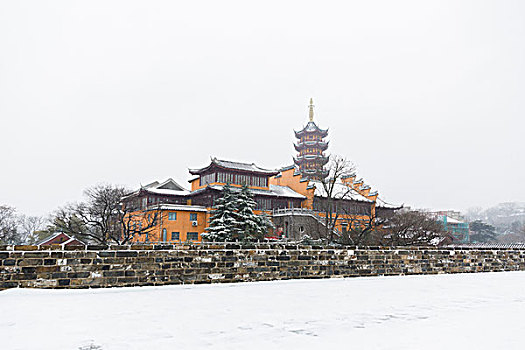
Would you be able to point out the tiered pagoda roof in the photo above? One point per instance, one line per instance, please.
(322, 145)
(311, 128)
(311, 146)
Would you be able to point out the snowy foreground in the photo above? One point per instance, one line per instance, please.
(465, 311)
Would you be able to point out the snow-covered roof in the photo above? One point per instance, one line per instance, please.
(68, 239)
(380, 203)
(285, 191)
(226, 164)
(311, 127)
(340, 191)
(452, 220)
(168, 187)
(171, 185)
(274, 190)
(287, 167)
(167, 191)
(49, 238)
(177, 207)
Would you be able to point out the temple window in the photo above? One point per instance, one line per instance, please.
(192, 236)
(207, 179)
(263, 203)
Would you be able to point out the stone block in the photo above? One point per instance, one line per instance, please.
(117, 273)
(26, 247)
(97, 247)
(8, 284)
(78, 274)
(106, 254)
(9, 262)
(74, 247)
(29, 262)
(126, 254)
(119, 247)
(64, 282)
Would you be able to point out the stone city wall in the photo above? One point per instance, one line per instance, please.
(146, 265)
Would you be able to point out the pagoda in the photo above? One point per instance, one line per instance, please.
(311, 146)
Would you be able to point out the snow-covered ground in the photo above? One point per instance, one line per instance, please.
(464, 311)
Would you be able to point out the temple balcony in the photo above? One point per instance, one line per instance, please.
(310, 157)
(323, 146)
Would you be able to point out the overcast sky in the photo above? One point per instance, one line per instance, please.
(426, 97)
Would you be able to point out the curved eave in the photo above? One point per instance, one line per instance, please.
(161, 192)
(201, 170)
(322, 133)
(214, 165)
(323, 146)
(389, 207)
(319, 160)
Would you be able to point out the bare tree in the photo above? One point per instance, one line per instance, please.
(402, 228)
(334, 192)
(65, 220)
(412, 228)
(31, 228)
(8, 225)
(102, 218)
(138, 223)
(361, 229)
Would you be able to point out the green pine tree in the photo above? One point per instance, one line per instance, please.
(224, 224)
(252, 227)
(481, 232)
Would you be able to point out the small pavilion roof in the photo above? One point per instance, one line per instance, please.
(66, 240)
(168, 187)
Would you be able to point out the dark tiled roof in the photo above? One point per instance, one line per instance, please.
(287, 167)
(311, 127)
(168, 187)
(226, 164)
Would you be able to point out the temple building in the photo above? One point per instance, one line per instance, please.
(183, 215)
(354, 201)
(294, 197)
(454, 223)
(210, 180)
(311, 146)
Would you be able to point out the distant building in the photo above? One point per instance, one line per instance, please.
(455, 224)
(183, 215)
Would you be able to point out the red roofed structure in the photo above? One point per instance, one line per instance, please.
(60, 238)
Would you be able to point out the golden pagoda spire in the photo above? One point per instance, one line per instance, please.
(311, 109)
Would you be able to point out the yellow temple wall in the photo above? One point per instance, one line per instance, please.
(182, 224)
(288, 178)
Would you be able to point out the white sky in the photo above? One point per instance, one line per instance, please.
(426, 97)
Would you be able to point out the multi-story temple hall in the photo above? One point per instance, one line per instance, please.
(293, 196)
